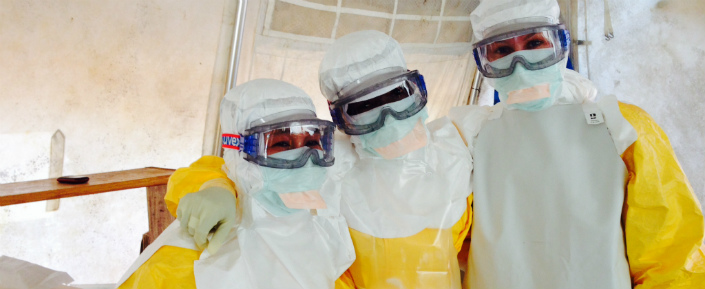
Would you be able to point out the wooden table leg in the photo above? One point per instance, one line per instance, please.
(159, 216)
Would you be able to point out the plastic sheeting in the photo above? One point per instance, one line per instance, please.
(286, 40)
(655, 62)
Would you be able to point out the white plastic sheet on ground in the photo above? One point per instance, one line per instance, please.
(19, 274)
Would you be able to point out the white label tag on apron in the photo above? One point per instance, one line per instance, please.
(593, 114)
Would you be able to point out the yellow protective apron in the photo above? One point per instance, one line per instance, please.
(402, 213)
(548, 198)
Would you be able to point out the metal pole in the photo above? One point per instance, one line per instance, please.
(232, 68)
(237, 44)
(475, 89)
(573, 16)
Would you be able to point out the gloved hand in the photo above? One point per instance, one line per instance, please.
(207, 210)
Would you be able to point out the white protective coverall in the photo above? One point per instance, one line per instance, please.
(407, 215)
(300, 250)
(558, 192)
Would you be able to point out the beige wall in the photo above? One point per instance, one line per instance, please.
(127, 81)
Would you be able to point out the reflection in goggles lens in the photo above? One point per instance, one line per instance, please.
(394, 95)
(280, 140)
(499, 49)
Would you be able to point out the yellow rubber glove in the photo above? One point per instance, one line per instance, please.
(211, 210)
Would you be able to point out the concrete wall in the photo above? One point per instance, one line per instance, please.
(656, 62)
(127, 82)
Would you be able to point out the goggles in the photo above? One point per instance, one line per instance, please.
(363, 105)
(286, 144)
(535, 48)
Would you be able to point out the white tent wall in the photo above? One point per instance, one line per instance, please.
(286, 45)
(127, 81)
(655, 61)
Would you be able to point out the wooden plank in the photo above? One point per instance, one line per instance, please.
(49, 189)
(159, 216)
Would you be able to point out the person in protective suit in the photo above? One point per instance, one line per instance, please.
(284, 229)
(568, 192)
(406, 184)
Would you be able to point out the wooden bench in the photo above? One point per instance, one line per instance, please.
(154, 179)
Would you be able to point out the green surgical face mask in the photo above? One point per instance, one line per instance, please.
(392, 131)
(282, 181)
(528, 85)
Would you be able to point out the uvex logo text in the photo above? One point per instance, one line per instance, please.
(231, 141)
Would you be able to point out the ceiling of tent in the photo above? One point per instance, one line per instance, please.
(408, 21)
(288, 38)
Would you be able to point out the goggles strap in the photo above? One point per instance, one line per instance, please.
(247, 144)
(251, 143)
(231, 141)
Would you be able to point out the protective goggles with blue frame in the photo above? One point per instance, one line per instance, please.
(363, 105)
(535, 48)
(287, 144)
